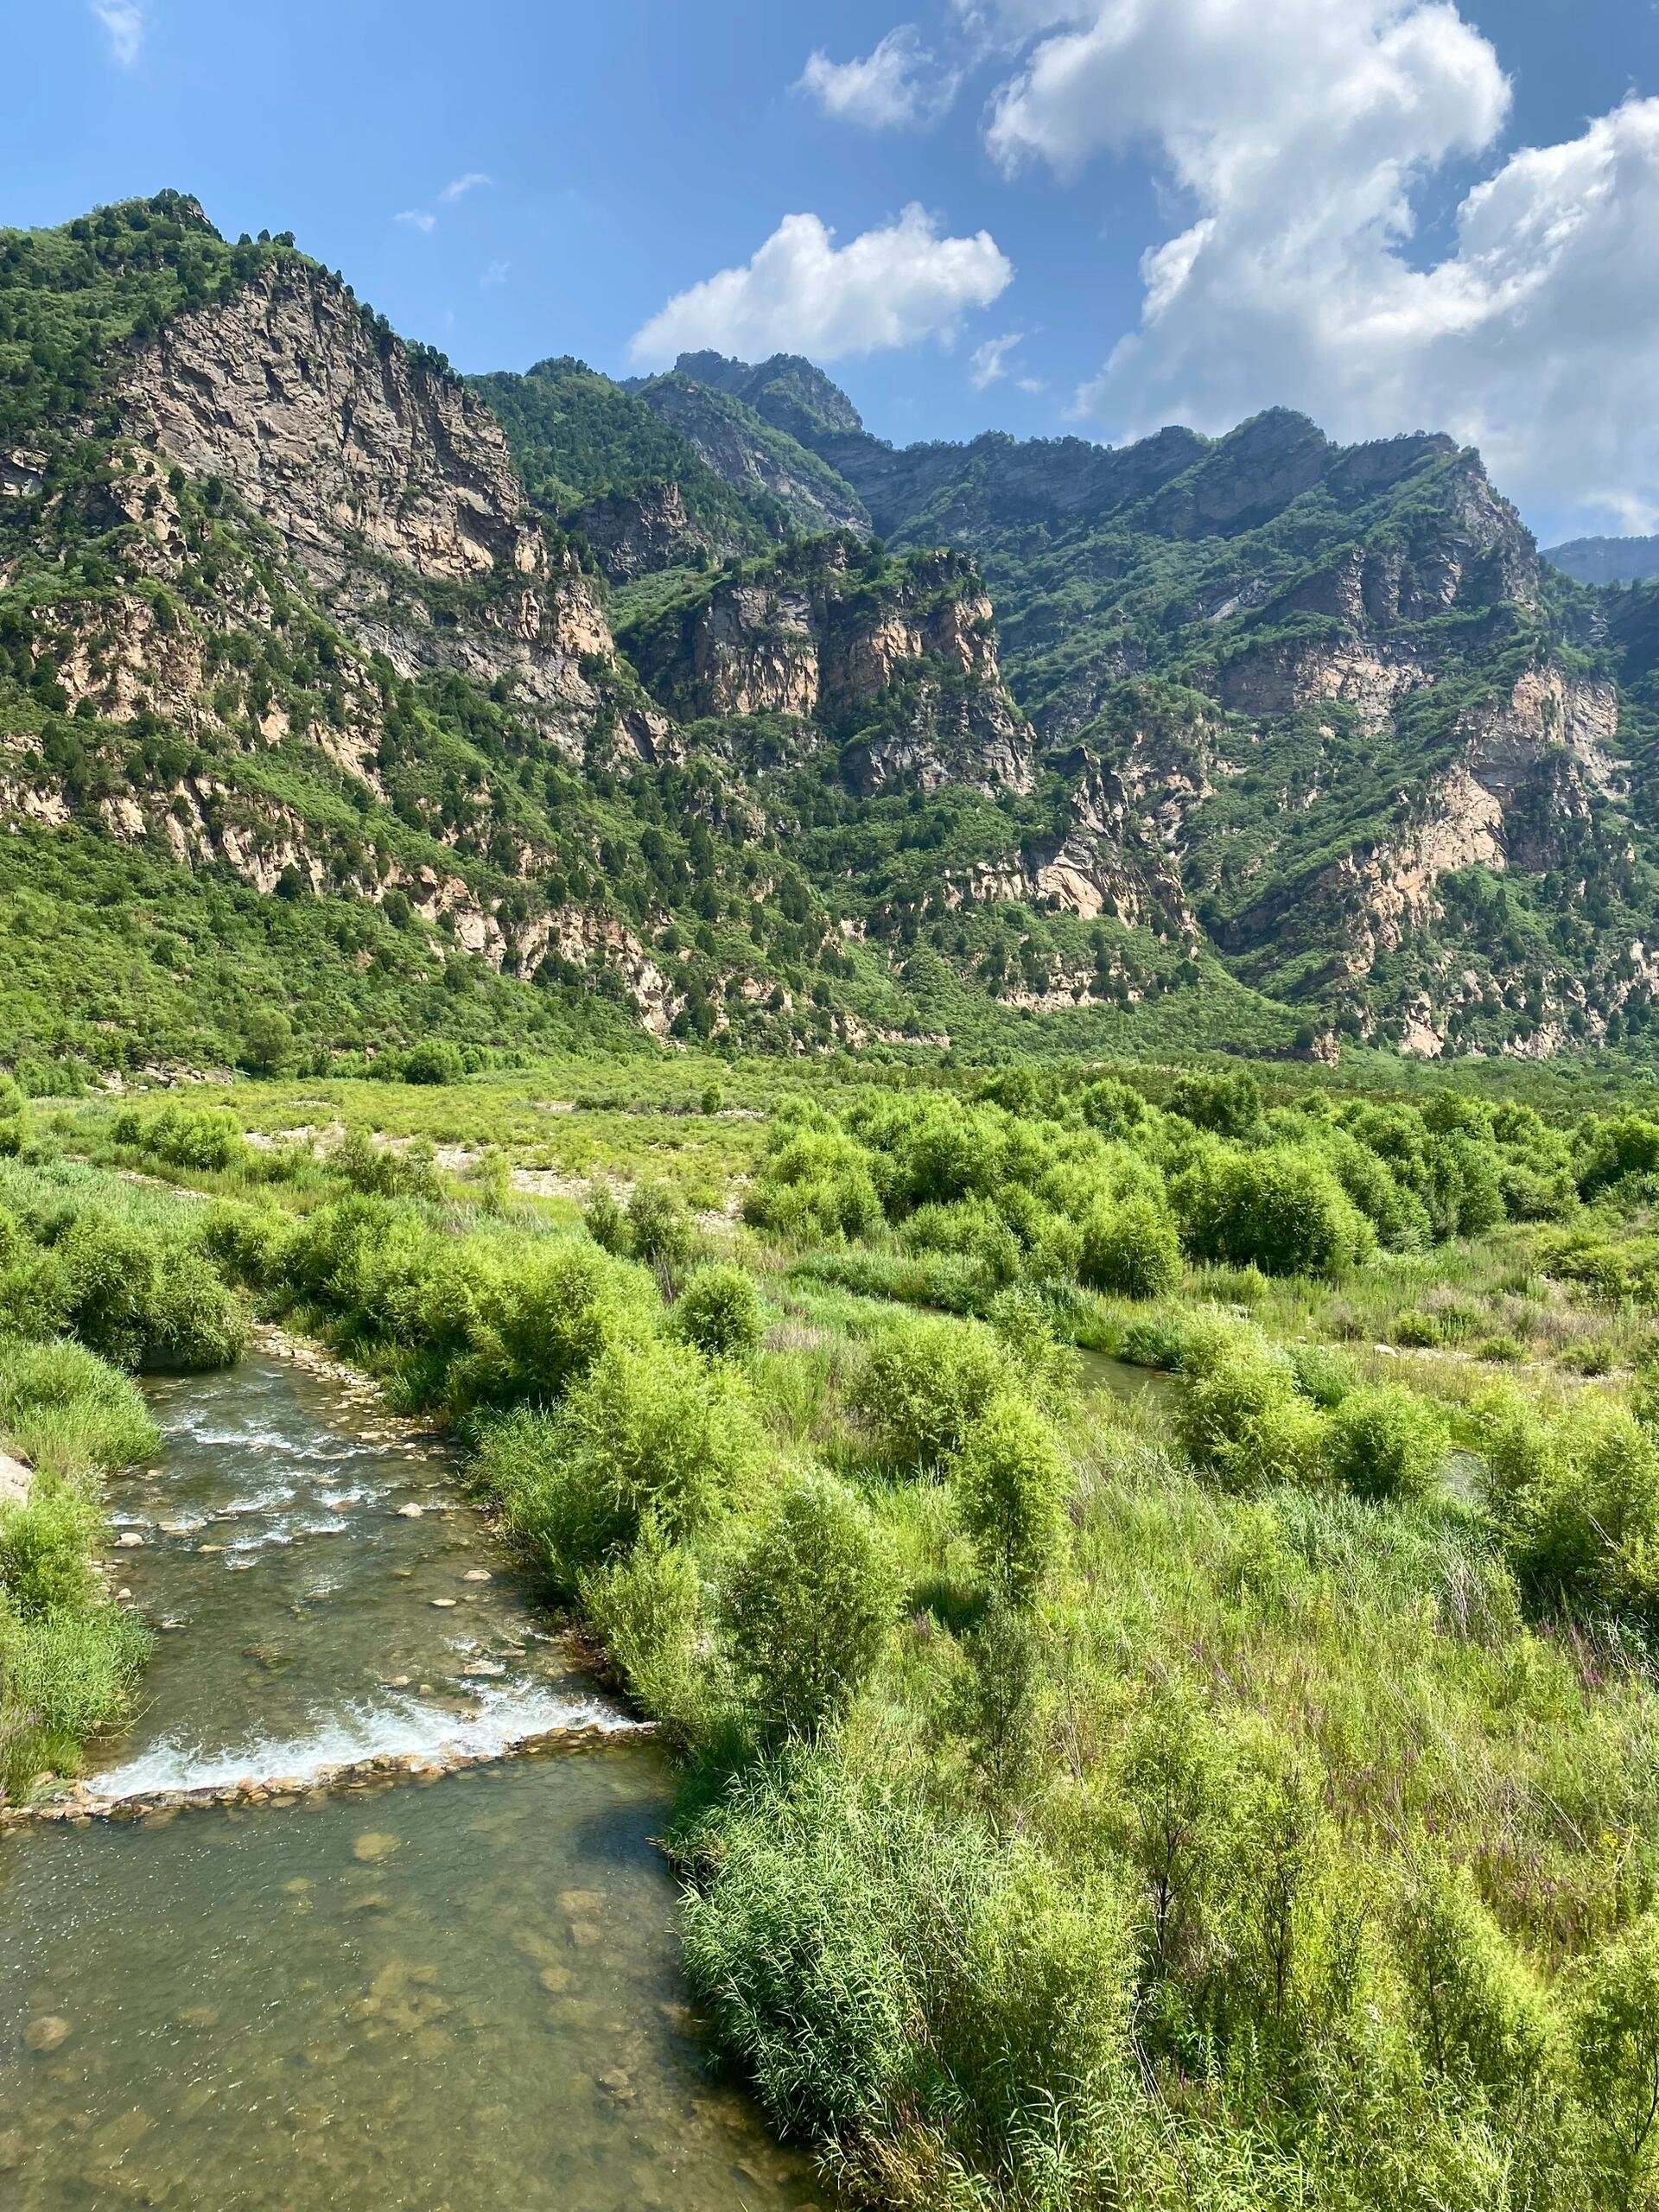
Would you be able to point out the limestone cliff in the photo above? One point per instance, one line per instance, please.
(388, 482)
(896, 661)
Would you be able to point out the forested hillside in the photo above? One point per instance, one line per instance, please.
(543, 709)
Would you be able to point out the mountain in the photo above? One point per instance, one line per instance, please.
(346, 704)
(1380, 744)
(315, 736)
(1606, 560)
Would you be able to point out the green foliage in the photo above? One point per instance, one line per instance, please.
(1574, 1497)
(1284, 1212)
(817, 1186)
(1616, 2038)
(46, 1544)
(1243, 1419)
(1012, 1483)
(719, 1313)
(646, 1608)
(70, 1414)
(145, 1302)
(660, 1231)
(807, 1607)
(1478, 2014)
(643, 1435)
(1133, 1250)
(1384, 1443)
(922, 1385)
(182, 1136)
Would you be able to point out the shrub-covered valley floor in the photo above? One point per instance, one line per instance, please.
(1152, 1582)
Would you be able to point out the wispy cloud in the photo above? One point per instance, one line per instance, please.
(124, 20)
(495, 274)
(989, 364)
(425, 219)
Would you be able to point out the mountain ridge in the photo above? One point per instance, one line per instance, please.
(556, 706)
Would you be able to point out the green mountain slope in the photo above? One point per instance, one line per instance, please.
(1381, 745)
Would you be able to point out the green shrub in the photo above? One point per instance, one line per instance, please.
(1243, 1421)
(1131, 1250)
(1228, 1103)
(972, 1229)
(819, 1186)
(435, 1062)
(798, 1936)
(555, 1316)
(1012, 1483)
(1282, 1211)
(141, 1302)
(1323, 1374)
(660, 1231)
(649, 1433)
(387, 1171)
(204, 1140)
(807, 1607)
(719, 1312)
(249, 1243)
(1115, 1108)
(605, 1222)
(1575, 1498)
(646, 1608)
(1385, 1443)
(921, 1385)
(14, 1118)
(1615, 2024)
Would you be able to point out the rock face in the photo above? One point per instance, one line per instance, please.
(637, 535)
(753, 456)
(380, 472)
(343, 439)
(899, 663)
(1102, 862)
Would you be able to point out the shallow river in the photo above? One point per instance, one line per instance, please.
(451, 1996)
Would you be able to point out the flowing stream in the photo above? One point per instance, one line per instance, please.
(450, 1993)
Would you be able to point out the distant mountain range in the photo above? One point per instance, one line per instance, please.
(344, 703)
(1607, 559)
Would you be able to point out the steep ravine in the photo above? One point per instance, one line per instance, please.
(409, 1989)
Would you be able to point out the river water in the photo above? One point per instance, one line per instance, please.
(448, 1995)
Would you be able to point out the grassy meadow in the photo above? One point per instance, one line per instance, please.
(1152, 1577)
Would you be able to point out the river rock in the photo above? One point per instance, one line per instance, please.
(409, 1512)
(128, 1540)
(48, 2033)
(443, 1604)
(477, 1574)
(374, 1846)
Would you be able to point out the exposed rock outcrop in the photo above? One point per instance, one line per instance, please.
(897, 662)
(387, 479)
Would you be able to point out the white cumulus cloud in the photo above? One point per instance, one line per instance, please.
(460, 187)
(899, 85)
(1299, 134)
(124, 21)
(802, 293)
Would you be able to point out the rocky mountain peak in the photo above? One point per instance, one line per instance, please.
(787, 391)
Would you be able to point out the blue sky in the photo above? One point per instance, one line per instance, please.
(1392, 214)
